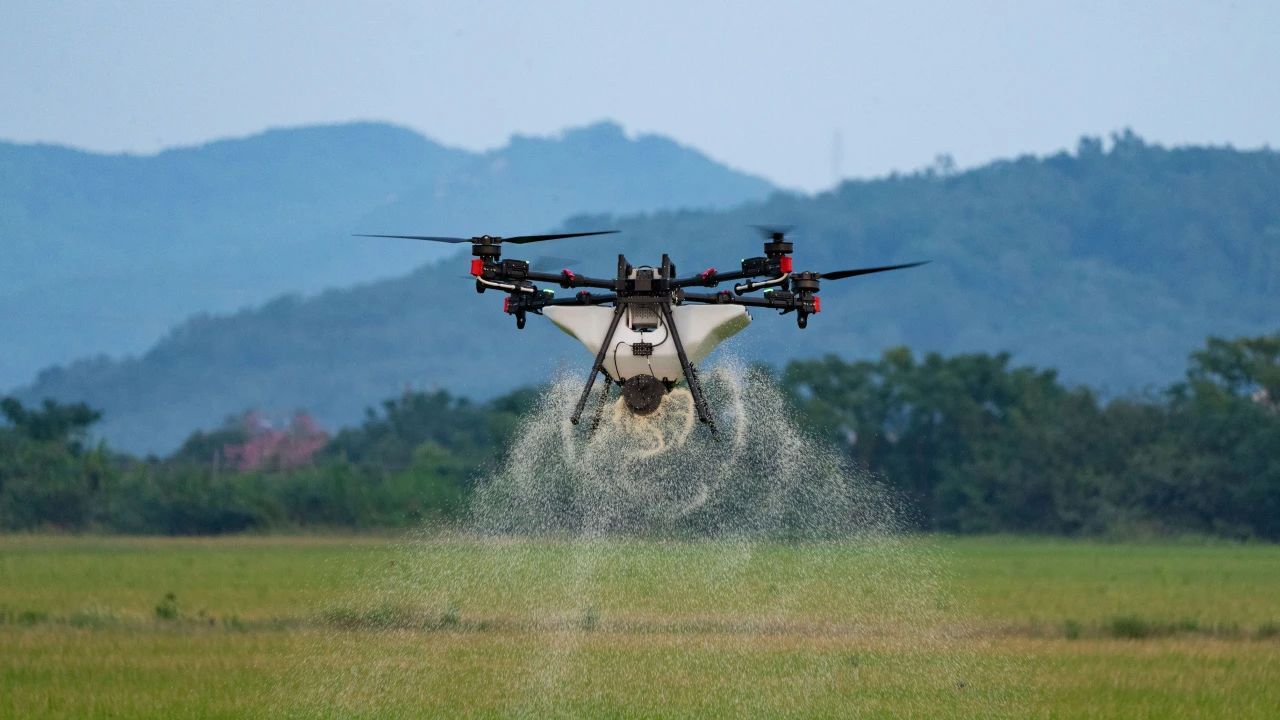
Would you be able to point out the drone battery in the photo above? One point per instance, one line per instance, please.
(642, 349)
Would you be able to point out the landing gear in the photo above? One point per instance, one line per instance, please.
(598, 365)
(604, 400)
(643, 393)
(690, 374)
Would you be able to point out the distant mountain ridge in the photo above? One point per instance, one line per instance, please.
(1109, 265)
(104, 253)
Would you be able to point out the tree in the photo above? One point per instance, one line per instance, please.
(1228, 422)
(54, 422)
(46, 476)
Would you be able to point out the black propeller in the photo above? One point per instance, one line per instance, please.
(840, 274)
(419, 237)
(774, 232)
(522, 239)
(490, 239)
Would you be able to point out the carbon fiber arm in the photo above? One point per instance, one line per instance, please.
(778, 300)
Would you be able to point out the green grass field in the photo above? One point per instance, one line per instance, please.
(457, 627)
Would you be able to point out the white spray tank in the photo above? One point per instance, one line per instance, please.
(642, 344)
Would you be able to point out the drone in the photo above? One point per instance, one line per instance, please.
(649, 327)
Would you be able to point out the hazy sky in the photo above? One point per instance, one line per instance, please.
(764, 86)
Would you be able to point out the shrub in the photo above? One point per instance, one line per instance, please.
(31, 617)
(167, 608)
(1130, 627)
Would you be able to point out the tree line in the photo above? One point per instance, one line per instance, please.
(975, 443)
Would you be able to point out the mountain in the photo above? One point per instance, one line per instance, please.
(1110, 264)
(104, 253)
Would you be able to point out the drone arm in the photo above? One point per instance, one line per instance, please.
(774, 268)
(725, 297)
(582, 298)
(778, 300)
(711, 278)
(518, 305)
(568, 279)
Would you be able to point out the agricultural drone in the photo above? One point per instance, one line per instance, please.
(649, 327)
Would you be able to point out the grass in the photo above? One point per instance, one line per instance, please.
(360, 627)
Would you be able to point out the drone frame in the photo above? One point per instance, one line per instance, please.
(659, 288)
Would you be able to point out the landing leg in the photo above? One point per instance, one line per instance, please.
(604, 400)
(598, 364)
(690, 374)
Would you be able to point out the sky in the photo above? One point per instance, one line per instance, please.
(802, 93)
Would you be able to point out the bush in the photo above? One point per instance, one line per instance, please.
(167, 608)
(1130, 627)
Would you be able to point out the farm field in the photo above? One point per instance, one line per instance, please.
(455, 626)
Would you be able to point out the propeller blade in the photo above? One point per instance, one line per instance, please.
(522, 239)
(518, 239)
(839, 274)
(431, 238)
(769, 231)
(551, 263)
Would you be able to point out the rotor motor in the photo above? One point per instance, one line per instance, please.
(805, 282)
(486, 248)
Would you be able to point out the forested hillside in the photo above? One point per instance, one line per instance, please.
(1109, 263)
(104, 253)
